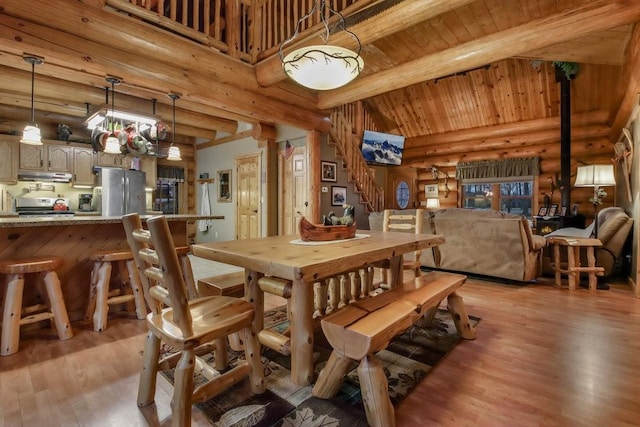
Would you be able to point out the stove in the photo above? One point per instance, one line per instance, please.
(42, 206)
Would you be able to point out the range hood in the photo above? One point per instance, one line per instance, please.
(44, 176)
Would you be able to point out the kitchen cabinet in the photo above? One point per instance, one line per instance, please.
(83, 166)
(8, 160)
(112, 160)
(46, 158)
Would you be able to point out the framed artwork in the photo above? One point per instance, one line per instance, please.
(553, 210)
(563, 211)
(338, 195)
(431, 191)
(542, 211)
(329, 171)
(224, 186)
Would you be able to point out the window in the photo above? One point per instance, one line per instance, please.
(512, 196)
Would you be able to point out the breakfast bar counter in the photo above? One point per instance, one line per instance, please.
(74, 239)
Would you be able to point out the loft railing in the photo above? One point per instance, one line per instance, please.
(249, 30)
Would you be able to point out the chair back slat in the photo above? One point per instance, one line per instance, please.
(172, 279)
(404, 223)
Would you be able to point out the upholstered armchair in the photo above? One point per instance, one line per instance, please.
(614, 226)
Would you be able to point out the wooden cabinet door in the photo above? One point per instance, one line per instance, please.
(83, 166)
(59, 158)
(32, 157)
(8, 161)
(111, 160)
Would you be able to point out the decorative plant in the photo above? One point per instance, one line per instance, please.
(570, 69)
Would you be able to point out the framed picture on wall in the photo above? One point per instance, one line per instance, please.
(329, 171)
(338, 195)
(431, 191)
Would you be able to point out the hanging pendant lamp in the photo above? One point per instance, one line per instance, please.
(174, 151)
(322, 67)
(112, 145)
(31, 133)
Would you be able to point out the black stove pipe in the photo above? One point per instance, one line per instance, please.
(565, 137)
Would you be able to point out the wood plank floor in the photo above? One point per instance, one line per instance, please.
(543, 356)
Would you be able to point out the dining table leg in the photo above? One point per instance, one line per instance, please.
(395, 271)
(255, 296)
(301, 322)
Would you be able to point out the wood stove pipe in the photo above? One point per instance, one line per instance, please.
(565, 137)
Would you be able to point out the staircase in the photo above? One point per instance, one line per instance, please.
(346, 146)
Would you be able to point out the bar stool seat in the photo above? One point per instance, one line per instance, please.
(101, 294)
(15, 315)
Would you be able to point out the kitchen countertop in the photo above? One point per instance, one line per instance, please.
(89, 219)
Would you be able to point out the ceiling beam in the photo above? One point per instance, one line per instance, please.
(148, 62)
(552, 29)
(407, 13)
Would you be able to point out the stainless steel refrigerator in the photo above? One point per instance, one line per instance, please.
(122, 191)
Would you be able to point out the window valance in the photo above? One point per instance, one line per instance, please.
(506, 168)
(170, 174)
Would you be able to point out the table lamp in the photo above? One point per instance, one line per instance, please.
(596, 176)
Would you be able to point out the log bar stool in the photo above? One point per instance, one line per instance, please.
(101, 296)
(12, 316)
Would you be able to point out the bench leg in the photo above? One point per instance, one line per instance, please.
(375, 395)
(458, 311)
(331, 376)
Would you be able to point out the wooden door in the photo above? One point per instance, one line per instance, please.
(59, 158)
(294, 195)
(248, 191)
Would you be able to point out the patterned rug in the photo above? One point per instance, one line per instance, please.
(406, 361)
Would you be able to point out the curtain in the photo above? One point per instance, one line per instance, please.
(170, 174)
(506, 168)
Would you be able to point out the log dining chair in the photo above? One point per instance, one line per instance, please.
(186, 325)
(404, 222)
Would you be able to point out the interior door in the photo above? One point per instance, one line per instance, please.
(248, 209)
(294, 195)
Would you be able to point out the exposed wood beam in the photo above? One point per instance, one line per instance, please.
(224, 140)
(553, 29)
(49, 90)
(149, 65)
(505, 130)
(628, 87)
(405, 13)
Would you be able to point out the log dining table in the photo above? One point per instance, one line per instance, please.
(286, 257)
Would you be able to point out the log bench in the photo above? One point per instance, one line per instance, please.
(365, 327)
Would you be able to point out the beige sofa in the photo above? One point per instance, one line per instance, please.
(480, 242)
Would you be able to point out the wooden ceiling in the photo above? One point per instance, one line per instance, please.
(431, 66)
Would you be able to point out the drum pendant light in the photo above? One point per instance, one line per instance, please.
(174, 151)
(112, 146)
(31, 133)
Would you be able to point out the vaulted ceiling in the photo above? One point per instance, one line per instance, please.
(431, 66)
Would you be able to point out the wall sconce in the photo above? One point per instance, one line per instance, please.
(435, 171)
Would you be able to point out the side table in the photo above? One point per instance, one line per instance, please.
(574, 268)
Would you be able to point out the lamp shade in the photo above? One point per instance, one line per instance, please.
(595, 176)
(174, 153)
(323, 67)
(31, 135)
(433, 203)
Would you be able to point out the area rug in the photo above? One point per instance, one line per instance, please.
(406, 361)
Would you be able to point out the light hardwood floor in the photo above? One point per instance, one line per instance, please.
(543, 357)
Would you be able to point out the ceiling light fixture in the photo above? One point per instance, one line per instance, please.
(322, 67)
(112, 146)
(31, 133)
(174, 151)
